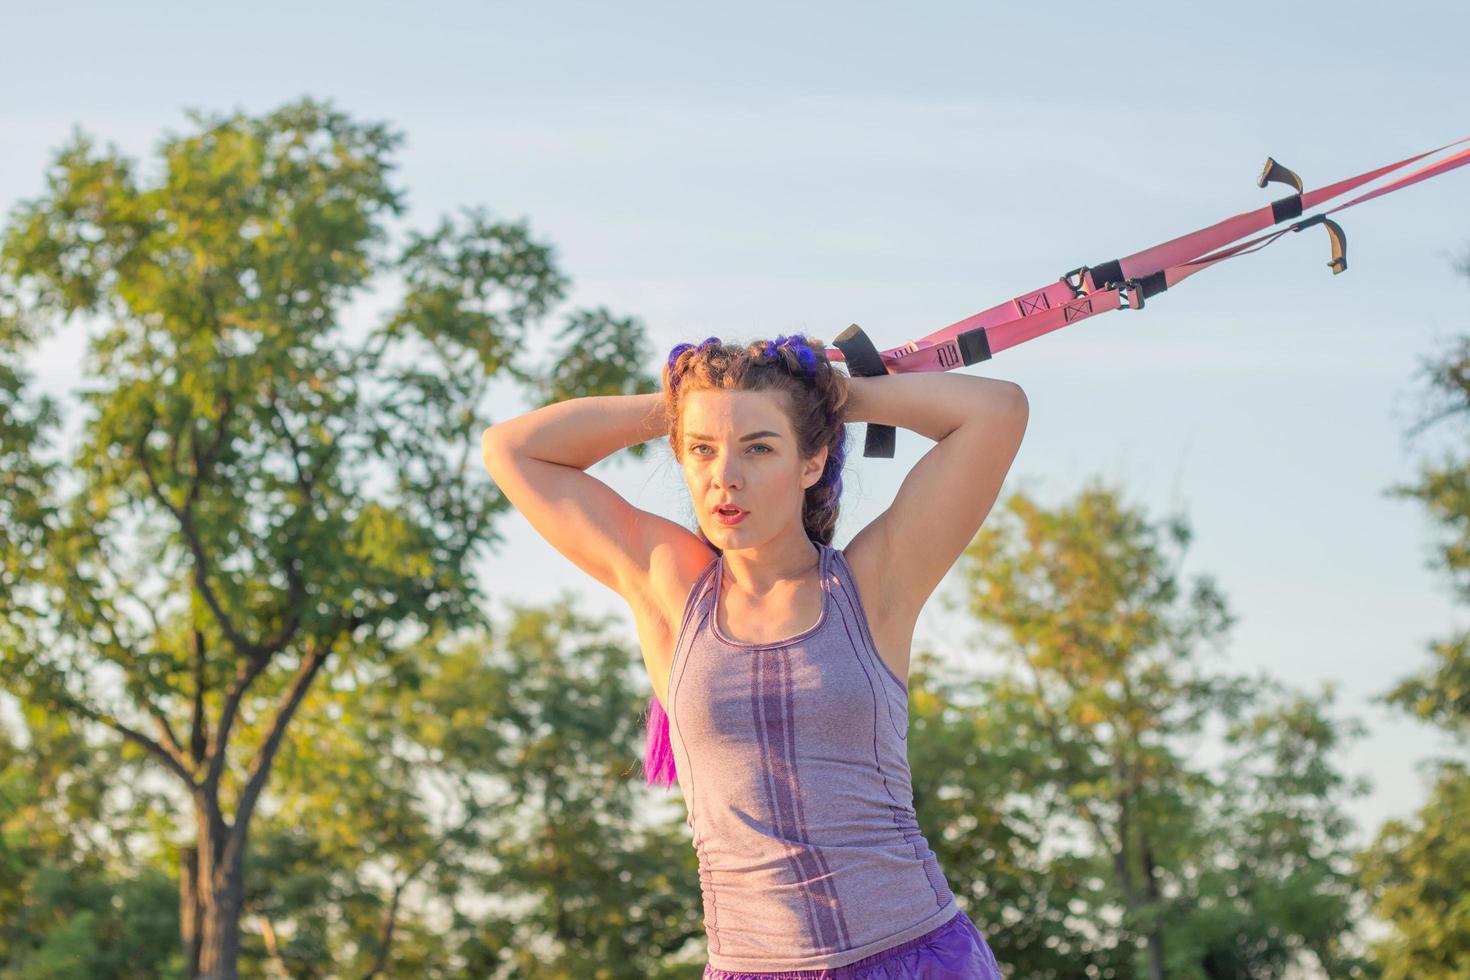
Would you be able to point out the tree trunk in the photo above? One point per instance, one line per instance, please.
(189, 909)
(1123, 866)
(1156, 934)
(212, 938)
(219, 951)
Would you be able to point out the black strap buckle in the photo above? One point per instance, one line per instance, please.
(1104, 275)
(1130, 295)
(1075, 281)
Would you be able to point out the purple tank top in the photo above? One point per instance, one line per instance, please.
(793, 761)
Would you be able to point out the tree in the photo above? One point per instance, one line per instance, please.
(1124, 856)
(598, 898)
(257, 501)
(479, 819)
(1418, 870)
(980, 774)
(75, 901)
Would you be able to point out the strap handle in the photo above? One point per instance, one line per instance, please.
(862, 360)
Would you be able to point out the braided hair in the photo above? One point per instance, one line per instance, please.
(815, 395)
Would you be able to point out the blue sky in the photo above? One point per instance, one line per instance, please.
(766, 169)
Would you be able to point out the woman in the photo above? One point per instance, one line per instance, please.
(782, 661)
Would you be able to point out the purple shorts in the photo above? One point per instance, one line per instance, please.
(954, 951)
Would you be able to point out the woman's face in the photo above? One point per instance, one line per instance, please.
(738, 447)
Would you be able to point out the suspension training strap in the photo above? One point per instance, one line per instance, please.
(1119, 283)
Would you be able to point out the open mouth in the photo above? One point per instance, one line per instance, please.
(729, 515)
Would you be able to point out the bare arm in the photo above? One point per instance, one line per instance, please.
(978, 424)
(929, 403)
(581, 431)
(538, 461)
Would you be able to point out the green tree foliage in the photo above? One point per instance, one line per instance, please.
(478, 818)
(598, 901)
(261, 499)
(1065, 793)
(1419, 869)
(75, 902)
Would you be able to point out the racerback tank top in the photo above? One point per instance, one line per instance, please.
(793, 761)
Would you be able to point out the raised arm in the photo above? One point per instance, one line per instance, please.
(538, 461)
(978, 424)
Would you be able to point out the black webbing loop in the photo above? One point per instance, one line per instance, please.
(974, 346)
(1107, 272)
(1151, 285)
(863, 362)
(1287, 207)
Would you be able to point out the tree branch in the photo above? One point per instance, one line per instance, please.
(167, 737)
(271, 946)
(245, 676)
(196, 549)
(169, 741)
(1414, 430)
(260, 766)
(306, 481)
(199, 729)
(1065, 756)
(204, 461)
(170, 762)
(133, 594)
(390, 920)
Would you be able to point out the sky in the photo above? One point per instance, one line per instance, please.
(773, 168)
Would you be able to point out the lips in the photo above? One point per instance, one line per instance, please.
(728, 510)
(733, 517)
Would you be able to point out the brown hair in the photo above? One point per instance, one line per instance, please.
(815, 395)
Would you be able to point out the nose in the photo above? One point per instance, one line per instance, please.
(725, 472)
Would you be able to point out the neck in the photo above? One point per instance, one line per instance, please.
(762, 568)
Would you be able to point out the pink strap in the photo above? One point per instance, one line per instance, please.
(1192, 246)
(1060, 303)
(1186, 269)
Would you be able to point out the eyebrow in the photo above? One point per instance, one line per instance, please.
(753, 435)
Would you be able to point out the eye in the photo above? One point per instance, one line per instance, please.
(759, 445)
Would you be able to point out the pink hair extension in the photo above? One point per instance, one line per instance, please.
(658, 756)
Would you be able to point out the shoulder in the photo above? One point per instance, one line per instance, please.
(675, 568)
